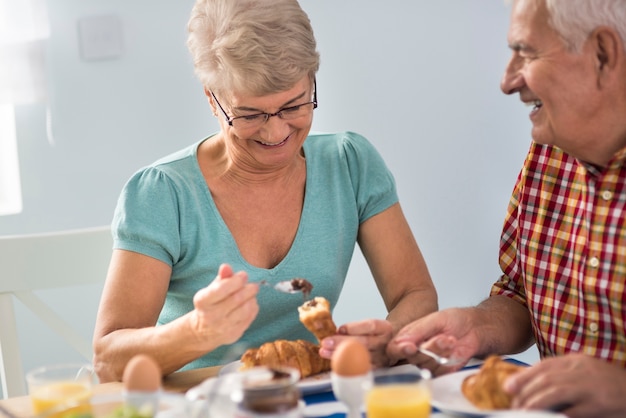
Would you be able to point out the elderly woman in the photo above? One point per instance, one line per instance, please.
(260, 200)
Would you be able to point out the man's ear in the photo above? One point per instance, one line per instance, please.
(608, 48)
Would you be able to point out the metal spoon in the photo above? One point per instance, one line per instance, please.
(444, 361)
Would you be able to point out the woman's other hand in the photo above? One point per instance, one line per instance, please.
(374, 333)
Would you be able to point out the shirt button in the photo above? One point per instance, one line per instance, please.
(594, 262)
(607, 195)
(593, 327)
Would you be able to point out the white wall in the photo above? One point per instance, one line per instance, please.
(419, 78)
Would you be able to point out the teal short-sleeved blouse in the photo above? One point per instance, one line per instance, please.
(166, 211)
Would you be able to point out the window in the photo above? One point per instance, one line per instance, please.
(24, 29)
(10, 187)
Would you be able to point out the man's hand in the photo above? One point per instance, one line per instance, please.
(577, 385)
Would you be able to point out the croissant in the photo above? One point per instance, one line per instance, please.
(316, 317)
(484, 389)
(301, 355)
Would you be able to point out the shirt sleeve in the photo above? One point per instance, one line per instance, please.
(511, 283)
(373, 183)
(146, 217)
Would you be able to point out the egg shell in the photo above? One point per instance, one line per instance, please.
(351, 358)
(142, 374)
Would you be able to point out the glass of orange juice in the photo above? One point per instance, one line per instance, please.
(399, 394)
(61, 390)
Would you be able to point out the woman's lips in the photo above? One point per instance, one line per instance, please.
(270, 145)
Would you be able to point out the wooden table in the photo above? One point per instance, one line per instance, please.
(178, 382)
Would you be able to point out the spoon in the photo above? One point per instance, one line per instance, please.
(291, 286)
(444, 361)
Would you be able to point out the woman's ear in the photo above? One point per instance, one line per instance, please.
(209, 96)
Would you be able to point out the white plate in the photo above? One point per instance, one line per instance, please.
(447, 396)
(309, 385)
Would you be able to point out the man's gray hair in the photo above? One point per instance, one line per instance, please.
(575, 20)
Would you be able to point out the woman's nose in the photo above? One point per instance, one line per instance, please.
(274, 128)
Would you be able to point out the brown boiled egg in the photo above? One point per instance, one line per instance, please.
(351, 358)
(142, 374)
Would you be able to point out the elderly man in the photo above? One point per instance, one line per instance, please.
(563, 246)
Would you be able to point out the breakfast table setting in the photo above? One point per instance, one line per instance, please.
(279, 379)
(266, 382)
(213, 392)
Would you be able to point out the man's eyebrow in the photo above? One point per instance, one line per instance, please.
(519, 46)
(286, 104)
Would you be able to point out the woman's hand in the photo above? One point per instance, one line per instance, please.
(225, 308)
(373, 333)
(577, 385)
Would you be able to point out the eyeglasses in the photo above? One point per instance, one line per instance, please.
(258, 119)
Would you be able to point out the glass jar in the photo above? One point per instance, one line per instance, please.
(269, 393)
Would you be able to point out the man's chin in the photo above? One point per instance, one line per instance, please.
(541, 137)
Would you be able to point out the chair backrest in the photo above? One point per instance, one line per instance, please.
(45, 261)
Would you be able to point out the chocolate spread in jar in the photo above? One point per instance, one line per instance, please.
(277, 395)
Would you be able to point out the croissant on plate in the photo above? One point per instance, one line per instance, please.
(301, 355)
(485, 388)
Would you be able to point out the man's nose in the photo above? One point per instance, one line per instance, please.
(512, 79)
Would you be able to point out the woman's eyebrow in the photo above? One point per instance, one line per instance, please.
(286, 104)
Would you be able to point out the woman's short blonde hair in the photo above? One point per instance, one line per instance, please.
(255, 47)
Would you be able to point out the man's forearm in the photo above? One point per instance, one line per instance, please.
(504, 326)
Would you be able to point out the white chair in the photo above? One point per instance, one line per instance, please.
(45, 261)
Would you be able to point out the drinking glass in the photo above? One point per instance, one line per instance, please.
(399, 395)
(61, 389)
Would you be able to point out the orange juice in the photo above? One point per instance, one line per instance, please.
(398, 401)
(54, 395)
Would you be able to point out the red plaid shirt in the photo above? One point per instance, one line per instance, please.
(563, 253)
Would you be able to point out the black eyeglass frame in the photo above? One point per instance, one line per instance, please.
(267, 115)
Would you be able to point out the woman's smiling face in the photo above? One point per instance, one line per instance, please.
(277, 141)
